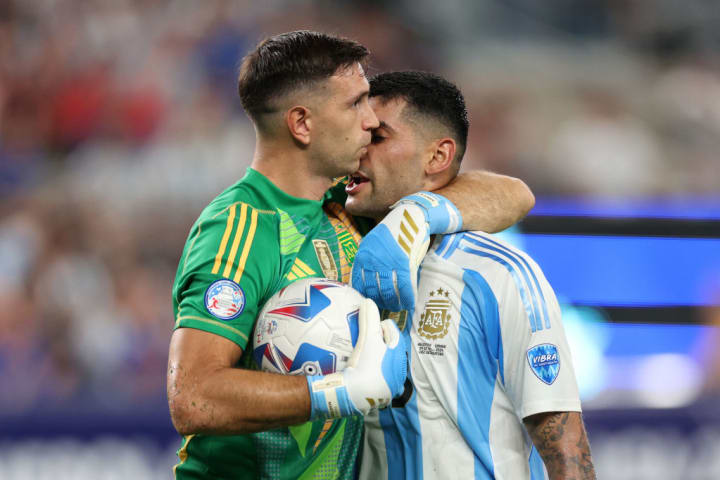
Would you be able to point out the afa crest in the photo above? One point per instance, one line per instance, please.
(435, 319)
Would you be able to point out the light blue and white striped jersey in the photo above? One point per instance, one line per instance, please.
(487, 350)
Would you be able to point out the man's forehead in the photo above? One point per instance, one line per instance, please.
(352, 70)
(349, 81)
(351, 76)
(388, 110)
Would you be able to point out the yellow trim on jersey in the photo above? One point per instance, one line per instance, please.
(300, 269)
(182, 453)
(339, 180)
(304, 267)
(325, 428)
(236, 241)
(212, 322)
(342, 223)
(225, 237)
(246, 247)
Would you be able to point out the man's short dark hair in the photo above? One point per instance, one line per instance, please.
(427, 94)
(284, 62)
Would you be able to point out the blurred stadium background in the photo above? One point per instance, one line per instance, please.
(119, 121)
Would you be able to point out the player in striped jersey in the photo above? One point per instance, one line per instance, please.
(307, 96)
(495, 391)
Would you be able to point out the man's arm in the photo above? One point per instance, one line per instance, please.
(562, 442)
(206, 394)
(386, 264)
(487, 201)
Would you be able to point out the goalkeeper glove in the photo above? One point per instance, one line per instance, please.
(376, 371)
(386, 264)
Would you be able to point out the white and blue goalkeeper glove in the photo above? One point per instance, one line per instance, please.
(376, 371)
(386, 265)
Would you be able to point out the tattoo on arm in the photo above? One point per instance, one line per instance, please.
(562, 442)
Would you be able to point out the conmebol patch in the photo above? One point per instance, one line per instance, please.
(224, 299)
(544, 361)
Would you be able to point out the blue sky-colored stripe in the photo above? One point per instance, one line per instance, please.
(403, 442)
(479, 240)
(478, 335)
(488, 311)
(537, 471)
(535, 322)
(454, 245)
(446, 239)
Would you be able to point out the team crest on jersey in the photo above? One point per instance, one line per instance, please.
(225, 299)
(435, 319)
(544, 361)
(325, 259)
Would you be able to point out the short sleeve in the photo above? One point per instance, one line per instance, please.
(536, 368)
(230, 264)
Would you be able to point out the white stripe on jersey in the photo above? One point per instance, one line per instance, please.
(482, 306)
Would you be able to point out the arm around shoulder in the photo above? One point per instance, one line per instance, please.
(488, 201)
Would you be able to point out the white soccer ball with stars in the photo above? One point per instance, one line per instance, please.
(309, 327)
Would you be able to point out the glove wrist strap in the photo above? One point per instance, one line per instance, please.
(329, 397)
(441, 215)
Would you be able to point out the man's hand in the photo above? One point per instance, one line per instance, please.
(386, 264)
(375, 374)
(561, 440)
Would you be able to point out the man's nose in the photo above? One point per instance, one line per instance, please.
(371, 120)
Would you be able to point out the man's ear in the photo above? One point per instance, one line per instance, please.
(443, 152)
(299, 122)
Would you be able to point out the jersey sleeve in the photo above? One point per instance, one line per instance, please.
(536, 365)
(229, 266)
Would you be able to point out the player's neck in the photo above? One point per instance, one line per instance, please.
(290, 171)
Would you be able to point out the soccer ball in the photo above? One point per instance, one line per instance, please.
(309, 327)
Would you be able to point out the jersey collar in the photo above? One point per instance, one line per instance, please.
(277, 196)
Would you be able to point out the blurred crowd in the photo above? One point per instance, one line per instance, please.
(119, 121)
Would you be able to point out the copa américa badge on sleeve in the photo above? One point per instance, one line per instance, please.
(224, 299)
(544, 361)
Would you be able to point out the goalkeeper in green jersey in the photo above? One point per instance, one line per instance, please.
(307, 96)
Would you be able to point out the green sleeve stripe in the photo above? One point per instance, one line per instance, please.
(211, 322)
(293, 245)
(290, 238)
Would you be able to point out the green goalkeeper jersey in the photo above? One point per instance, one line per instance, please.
(248, 243)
